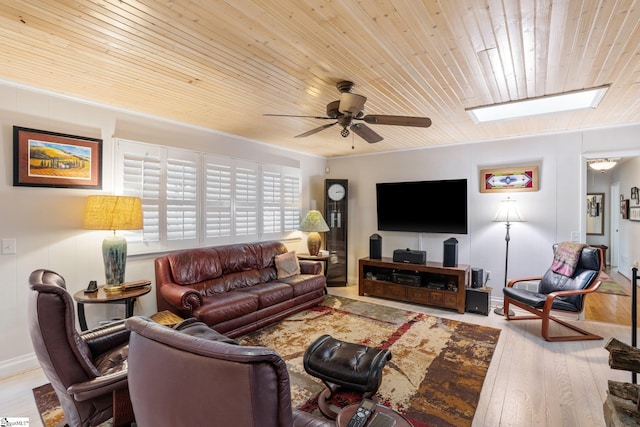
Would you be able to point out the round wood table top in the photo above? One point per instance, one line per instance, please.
(103, 296)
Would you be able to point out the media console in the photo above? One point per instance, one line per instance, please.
(429, 283)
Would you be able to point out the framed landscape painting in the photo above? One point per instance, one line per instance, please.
(49, 159)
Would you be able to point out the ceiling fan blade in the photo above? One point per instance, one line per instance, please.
(308, 117)
(366, 133)
(422, 122)
(316, 130)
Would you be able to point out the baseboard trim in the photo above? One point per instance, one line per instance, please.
(17, 365)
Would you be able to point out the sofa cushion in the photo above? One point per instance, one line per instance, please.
(221, 307)
(271, 293)
(287, 265)
(305, 283)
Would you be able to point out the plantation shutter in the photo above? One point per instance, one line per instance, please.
(245, 212)
(291, 199)
(218, 196)
(271, 202)
(182, 197)
(140, 171)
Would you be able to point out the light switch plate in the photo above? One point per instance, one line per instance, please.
(8, 246)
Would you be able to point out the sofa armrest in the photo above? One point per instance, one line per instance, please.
(181, 297)
(310, 267)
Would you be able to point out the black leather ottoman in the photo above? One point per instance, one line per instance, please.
(338, 364)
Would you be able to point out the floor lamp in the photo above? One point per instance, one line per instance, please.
(507, 213)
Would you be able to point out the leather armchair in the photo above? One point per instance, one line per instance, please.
(194, 376)
(559, 293)
(88, 371)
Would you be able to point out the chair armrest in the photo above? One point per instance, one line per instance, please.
(98, 386)
(182, 298)
(310, 267)
(106, 337)
(553, 295)
(523, 279)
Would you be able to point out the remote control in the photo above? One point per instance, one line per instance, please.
(362, 413)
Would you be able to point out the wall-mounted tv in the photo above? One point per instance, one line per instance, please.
(423, 206)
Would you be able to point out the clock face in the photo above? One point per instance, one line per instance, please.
(336, 192)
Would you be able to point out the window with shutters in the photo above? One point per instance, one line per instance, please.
(193, 199)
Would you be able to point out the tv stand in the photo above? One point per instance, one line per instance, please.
(430, 283)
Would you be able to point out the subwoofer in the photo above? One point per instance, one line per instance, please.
(477, 301)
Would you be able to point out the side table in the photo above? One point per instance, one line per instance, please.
(127, 297)
(322, 258)
(347, 412)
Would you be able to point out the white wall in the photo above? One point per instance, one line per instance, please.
(47, 222)
(554, 213)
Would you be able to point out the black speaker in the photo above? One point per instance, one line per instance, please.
(409, 256)
(450, 257)
(375, 246)
(477, 301)
(477, 277)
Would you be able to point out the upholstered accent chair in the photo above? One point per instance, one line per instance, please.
(88, 371)
(191, 375)
(557, 292)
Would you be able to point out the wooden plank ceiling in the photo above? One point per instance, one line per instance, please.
(223, 64)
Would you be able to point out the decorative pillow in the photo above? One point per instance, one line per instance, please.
(287, 264)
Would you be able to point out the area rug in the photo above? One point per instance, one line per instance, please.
(48, 406)
(611, 287)
(434, 377)
(435, 374)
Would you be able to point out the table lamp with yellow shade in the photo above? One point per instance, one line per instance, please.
(314, 223)
(113, 213)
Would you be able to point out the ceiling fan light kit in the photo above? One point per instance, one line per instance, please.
(350, 108)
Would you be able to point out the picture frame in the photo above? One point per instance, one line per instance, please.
(49, 159)
(624, 208)
(634, 213)
(635, 195)
(522, 178)
(595, 214)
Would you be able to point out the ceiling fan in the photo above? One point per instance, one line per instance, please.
(349, 109)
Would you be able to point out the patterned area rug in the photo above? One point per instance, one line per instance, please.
(611, 287)
(434, 378)
(437, 368)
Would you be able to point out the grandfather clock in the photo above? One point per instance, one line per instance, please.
(335, 213)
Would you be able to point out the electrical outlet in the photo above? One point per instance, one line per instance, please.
(488, 275)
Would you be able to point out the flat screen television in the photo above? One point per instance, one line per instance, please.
(423, 206)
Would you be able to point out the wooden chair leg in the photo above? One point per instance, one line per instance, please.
(122, 408)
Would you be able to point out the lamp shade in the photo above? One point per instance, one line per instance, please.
(113, 213)
(314, 221)
(508, 212)
(314, 224)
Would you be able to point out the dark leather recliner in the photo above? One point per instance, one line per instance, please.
(195, 376)
(88, 371)
(560, 293)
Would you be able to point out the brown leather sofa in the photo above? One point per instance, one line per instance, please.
(194, 376)
(235, 289)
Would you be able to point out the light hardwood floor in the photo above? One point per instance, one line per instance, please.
(530, 382)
